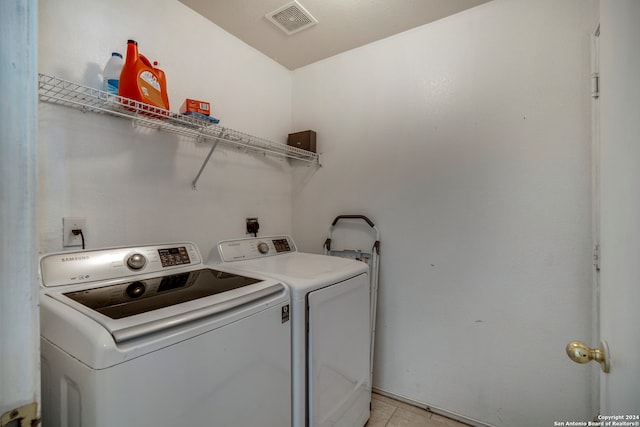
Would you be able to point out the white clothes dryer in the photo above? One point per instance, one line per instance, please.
(330, 325)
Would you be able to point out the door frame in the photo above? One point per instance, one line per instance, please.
(619, 211)
(595, 207)
(19, 289)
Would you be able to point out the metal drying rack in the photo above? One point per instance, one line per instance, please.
(87, 99)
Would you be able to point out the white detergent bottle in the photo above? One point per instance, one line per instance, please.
(111, 75)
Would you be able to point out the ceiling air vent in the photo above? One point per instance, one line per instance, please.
(291, 18)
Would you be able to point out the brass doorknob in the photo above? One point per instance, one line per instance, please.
(579, 352)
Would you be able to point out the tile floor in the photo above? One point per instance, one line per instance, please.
(387, 412)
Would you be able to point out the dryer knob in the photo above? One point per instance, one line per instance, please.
(136, 261)
(263, 248)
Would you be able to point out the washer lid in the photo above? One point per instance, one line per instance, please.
(101, 341)
(149, 306)
(141, 296)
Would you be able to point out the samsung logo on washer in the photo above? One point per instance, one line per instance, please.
(75, 258)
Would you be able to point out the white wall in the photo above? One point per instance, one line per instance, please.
(467, 142)
(133, 185)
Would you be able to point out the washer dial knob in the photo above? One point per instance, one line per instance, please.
(135, 290)
(263, 248)
(136, 261)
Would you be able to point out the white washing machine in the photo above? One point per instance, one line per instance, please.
(149, 336)
(330, 325)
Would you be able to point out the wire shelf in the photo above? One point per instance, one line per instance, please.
(58, 91)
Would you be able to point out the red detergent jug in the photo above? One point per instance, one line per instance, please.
(141, 81)
(163, 83)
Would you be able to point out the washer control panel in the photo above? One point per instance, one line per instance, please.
(252, 248)
(68, 268)
(174, 256)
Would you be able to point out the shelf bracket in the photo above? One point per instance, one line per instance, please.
(204, 164)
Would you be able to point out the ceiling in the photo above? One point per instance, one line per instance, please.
(342, 24)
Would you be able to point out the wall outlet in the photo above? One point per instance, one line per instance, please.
(253, 226)
(68, 224)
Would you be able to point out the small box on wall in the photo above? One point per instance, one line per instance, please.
(305, 140)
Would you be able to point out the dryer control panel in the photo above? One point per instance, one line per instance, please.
(252, 248)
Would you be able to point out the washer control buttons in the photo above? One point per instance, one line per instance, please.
(263, 248)
(136, 261)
